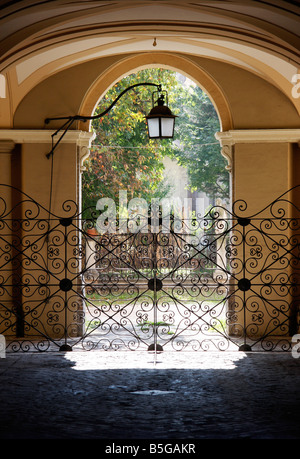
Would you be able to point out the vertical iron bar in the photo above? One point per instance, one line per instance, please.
(65, 286)
(155, 315)
(155, 297)
(244, 275)
(66, 293)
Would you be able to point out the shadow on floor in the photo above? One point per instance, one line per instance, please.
(105, 395)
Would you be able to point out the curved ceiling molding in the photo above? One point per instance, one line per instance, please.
(58, 57)
(171, 61)
(41, 38)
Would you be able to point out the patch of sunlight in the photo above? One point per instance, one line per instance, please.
(153, 392)
(94, 360)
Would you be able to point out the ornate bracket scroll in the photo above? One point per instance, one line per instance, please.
(229, 138)
(84, 144)
(226, 143)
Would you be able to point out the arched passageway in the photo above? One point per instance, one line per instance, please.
(184, 167)
(58, 58)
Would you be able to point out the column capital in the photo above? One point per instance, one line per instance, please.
(228, 139)
(6, 146)
(226, 143)
(82, 139)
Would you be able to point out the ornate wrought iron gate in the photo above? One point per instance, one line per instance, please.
(221, 281)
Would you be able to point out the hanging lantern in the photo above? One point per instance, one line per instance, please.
(160, 121)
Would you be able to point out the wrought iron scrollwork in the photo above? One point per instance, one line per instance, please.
(224, 280)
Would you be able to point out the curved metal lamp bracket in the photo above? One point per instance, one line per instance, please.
(71, 119)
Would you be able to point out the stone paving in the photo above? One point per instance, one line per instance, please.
(133, 395)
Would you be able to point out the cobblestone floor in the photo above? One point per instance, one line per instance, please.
(103, 395)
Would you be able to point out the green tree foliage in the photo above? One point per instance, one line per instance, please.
(123, 157)
(196, 147)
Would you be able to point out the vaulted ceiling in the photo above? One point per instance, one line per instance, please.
(41, 38)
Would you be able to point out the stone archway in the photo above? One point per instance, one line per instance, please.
(183, 65)
(171, 61)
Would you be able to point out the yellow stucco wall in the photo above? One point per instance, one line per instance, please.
(254, 103)
(260, 170)
(262, 173)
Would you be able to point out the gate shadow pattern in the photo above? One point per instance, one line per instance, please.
(224, 280)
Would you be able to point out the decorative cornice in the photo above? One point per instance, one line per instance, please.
(81, 138)
(228, 139)
(258, 136)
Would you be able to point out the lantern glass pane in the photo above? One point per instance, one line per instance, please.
(153, 127)
(167, 127)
